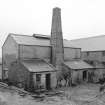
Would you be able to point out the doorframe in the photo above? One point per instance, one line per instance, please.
(85, 79)
(49, 81)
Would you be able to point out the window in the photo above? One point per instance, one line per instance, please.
(38, 77)
(103, 53)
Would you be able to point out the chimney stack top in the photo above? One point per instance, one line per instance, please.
(57, 8)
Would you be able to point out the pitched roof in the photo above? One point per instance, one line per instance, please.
(78, 64)
(37, 66)
(41, 40)
(96, 43)
(30, 40)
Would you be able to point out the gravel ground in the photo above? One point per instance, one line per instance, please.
(87, 94)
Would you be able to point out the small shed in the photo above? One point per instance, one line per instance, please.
(32, 75)
(80, 71)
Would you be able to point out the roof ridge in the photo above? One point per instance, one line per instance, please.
(87, 37)
(19, 34)
(27, 35)
(30, 40)
(41, 34)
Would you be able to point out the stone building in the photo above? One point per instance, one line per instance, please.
(38, 61)
(93, 52)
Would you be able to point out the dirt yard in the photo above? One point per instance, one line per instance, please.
(87, 94)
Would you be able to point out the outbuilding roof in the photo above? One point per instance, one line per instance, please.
(96, 43)
(78, 65)
(41, 40)
(37, 66)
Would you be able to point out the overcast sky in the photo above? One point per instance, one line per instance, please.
(80, 18)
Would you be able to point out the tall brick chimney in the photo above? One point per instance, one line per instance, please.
(56, 40)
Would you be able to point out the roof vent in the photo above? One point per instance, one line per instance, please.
(41, 36)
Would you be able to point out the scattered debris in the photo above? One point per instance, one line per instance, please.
(79, 95)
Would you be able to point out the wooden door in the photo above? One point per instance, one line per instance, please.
(48, 81)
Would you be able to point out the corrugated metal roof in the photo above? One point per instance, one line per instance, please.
(78, 64)
(37, 66)
(90, 44)
(32, 40)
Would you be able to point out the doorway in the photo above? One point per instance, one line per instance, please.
(84, 75)
(48, 80)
